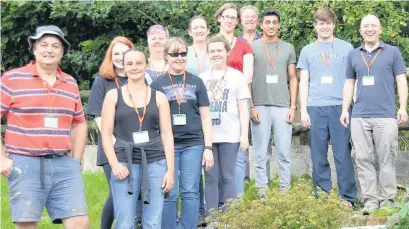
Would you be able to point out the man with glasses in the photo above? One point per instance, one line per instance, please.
(273, 100)
(323, 65)
(375, 66)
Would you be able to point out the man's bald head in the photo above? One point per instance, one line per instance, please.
(370, 19)
(370, 29)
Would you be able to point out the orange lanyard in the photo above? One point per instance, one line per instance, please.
(200, 68)
(178, 96)
(368, 66)
(136, 109)
(51, 98)
(271, 62)
(116, 82)
(157, 73)
(214, 83)
(325, 60)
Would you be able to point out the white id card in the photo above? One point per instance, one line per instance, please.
(326, 79)
(368, 80)
(271, 78)
(51, 121)
(179, 119)
(215, 115)
(140, 137)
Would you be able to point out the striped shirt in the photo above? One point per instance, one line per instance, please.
(26, 100)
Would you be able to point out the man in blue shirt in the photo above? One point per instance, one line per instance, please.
(375, 66)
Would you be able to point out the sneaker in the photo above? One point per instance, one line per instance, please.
(368, 209)
(201, 220)
(138, 222)
(387, 204)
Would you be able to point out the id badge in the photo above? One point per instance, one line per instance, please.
(326, 79)
(51, 121)
(140, 137)
(368, 80)
(215, 115)
(272, 78)
(179, 119)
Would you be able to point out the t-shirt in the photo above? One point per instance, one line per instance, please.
(324, 90)
(272, 91)
(192, 64)
(258, 36)
(194, 96)
(235, 59)
(223, 96)
(95, 101)
(151, 75)
(375, 99)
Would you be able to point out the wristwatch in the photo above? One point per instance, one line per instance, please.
(209, 147)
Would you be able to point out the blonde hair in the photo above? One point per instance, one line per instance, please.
(219, 38)
(173, 43)
(248, 7)
(224, 7)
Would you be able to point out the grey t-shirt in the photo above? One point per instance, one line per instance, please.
(375, 98)
(274, 91)
(324, 92)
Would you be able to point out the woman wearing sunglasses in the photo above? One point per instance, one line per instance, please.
(228, 94)
(197, 62)
(111, 75)
(142, 157)
(240, 58)
(157, 36)
(192, 131)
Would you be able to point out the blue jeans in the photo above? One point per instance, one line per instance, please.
(125, 204)
(325, 126)
(188, 167)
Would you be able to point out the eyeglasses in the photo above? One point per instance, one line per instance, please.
(227, 17)
(176, 54)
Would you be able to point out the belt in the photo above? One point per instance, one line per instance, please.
(48, 156)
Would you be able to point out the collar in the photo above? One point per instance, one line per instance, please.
(258, 36)
(381, 45)
(34, 73)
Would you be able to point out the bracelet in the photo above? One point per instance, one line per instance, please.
(209, 147)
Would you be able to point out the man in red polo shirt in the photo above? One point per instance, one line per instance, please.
(45, 124)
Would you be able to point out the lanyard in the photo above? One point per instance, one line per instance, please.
(51, 98)
(271, 62)
(136, 109)
(178, 96)
(214, 83)
(325, 60)
(200, 68)
(117, 83)
(157, 73)
(368, 66)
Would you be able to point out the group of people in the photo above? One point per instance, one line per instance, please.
(164, 117)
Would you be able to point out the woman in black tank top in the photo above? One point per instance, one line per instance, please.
(142, 157)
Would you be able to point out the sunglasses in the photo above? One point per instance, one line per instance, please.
(176, 54)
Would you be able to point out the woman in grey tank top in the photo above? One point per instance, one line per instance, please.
(139, 118)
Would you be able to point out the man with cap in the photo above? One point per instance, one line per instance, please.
(45, 137)
(375, 66)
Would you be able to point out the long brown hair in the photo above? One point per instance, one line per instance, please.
(107, 69)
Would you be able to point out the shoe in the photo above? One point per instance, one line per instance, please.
(201, 220)
(138, 222)
(368, 209)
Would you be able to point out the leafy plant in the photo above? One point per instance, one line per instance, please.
(400, 220)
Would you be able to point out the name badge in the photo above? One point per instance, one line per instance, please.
(368, 80)
(215, 115)
(326, 79)
(51, 121)
(272, 78)
(179, 119)
(140, 137)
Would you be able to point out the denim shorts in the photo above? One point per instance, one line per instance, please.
(63, 193)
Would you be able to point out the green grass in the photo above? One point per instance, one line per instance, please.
(96, 192)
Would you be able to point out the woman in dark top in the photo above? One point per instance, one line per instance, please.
(157, 36)
(139, 118)
(111, 75)
(192, 130)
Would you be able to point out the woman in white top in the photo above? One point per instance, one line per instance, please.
(228, 95)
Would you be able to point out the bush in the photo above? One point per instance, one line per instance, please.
(298, 209)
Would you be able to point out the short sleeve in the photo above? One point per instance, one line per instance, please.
(293, 58)
(6, 94)
(350, 72)
(398, 64)
(246, 48)
(242, 87)
(96, 98)
(303, 60)
(78, 116)
(201, 91)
